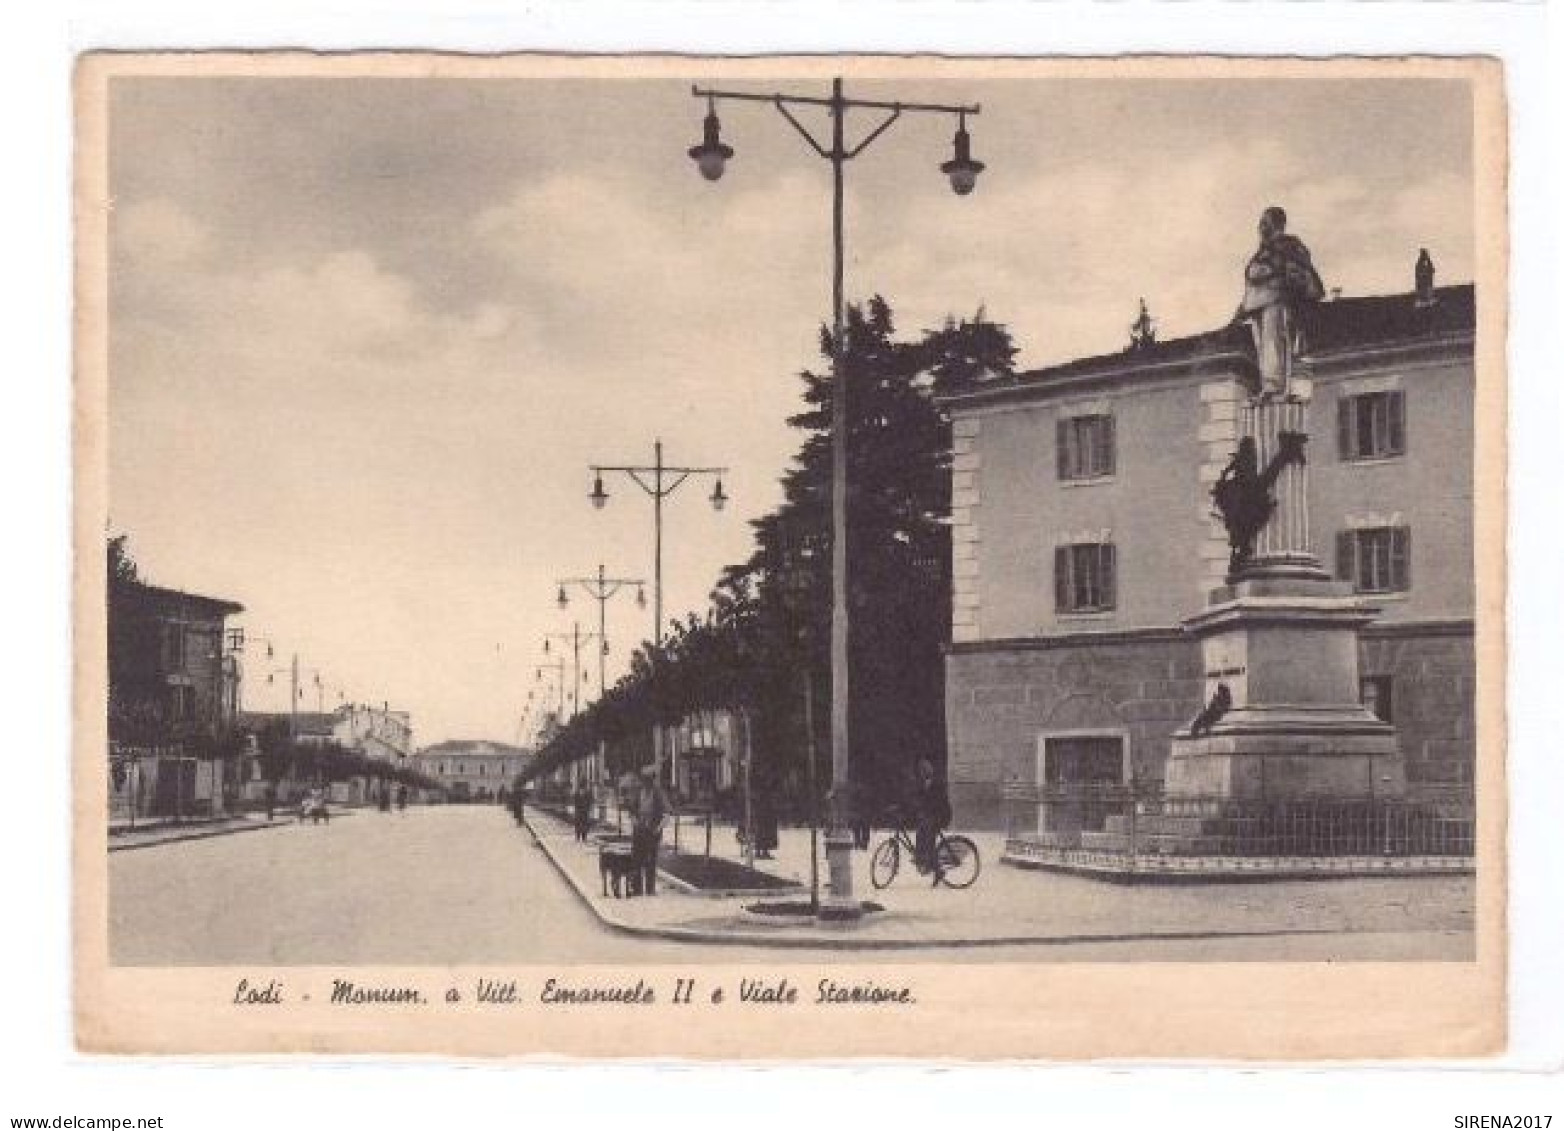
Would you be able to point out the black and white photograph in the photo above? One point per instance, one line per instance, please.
(767, 537)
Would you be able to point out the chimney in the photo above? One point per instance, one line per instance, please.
(1423, 274)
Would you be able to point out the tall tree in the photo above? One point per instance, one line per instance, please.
(764, 647)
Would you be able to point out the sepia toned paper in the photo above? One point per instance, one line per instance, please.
(1274, 993)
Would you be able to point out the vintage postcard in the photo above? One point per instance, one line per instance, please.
(790, 558)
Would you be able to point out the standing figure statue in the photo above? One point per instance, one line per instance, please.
(1279, 283)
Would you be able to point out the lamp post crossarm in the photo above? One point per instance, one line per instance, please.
(782, 109)
(874, 133)
(601, 588)
(853, 103)
(838, 104)
(651, 479)
(570, 635)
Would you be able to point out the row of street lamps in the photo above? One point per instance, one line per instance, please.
(659, 480)
(235, 645)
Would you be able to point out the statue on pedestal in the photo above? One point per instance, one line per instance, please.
(1279, 283)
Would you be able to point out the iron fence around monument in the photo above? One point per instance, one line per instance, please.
(1140, 821)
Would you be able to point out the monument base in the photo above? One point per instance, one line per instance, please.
(1283, 639)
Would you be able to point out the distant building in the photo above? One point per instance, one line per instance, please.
(173, 693)
(472, 770)
(1083, 535)
(375, 732)
(378, 732)
(311, 728)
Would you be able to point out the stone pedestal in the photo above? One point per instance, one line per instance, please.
(1282, 636)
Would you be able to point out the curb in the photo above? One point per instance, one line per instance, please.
(787, 938)
(207, 834)
(1152, 875)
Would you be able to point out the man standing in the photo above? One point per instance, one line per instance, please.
(932, 808)
(1279, 283)
(583, 811)
(651, 809)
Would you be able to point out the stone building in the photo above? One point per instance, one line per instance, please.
(1084, 535)
(173, 693)
(378, 732)
(472, 770)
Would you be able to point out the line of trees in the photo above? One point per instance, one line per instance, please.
(762, 647)
(284, 759)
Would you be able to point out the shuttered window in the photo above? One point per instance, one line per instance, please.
(1084, 580)
(1085, 447)
(1375, 560)
(1371, 425)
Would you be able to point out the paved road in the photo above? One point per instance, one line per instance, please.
(461, 885)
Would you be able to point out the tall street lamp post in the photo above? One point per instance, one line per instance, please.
(659, 480)
(711, 157)
(601, 589)
(575, 638)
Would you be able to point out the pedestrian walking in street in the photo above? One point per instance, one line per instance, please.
(583, 811)
(651, 810)
(271, 800)
(401, 798)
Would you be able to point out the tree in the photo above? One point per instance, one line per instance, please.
(764, 646)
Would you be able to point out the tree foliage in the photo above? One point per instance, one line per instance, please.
(763, 646)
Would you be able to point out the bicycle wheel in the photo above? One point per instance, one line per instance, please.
(958, 862)
(884, 862)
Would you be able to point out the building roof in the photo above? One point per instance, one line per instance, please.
(1338, 326)
(473, 748)
(173, 601)
(307, 722)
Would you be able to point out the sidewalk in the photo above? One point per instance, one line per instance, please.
(1009, 905)
(149, 833)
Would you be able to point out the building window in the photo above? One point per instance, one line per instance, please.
(173, 647)
(1377, 694)
(1084, 579)
(1375, 560)
(181, 703)
(1372, 425)
(1085, 447)
(1094, 759)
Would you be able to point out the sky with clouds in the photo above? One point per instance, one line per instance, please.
(366, 335)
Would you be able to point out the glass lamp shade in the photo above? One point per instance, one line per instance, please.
(563, 598)
(963, 178)
(598, 496)
(711, 156)
(640, 598)
(961, 168)
(711, 162)
(719, 498)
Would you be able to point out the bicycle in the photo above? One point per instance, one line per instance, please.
(956, 859)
